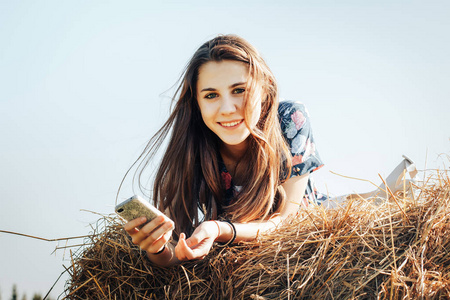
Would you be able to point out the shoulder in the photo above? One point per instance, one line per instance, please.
(287, 108)
(293, 117)
(297, 132)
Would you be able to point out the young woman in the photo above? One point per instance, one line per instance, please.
(237, 162)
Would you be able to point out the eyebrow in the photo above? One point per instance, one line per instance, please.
(231, 86)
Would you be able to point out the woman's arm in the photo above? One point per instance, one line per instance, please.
(198, 245)
(295, 190)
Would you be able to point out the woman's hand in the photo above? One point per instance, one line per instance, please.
(153, 236)
(198, 245)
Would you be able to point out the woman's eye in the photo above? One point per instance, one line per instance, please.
(239, 91)
(211, 96)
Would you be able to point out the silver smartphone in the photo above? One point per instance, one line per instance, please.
(136, 207)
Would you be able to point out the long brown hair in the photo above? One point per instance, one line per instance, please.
(188, 178)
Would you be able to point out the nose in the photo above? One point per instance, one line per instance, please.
(228, 105)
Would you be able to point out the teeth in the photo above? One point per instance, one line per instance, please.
(231, 124)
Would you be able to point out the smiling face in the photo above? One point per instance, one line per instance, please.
(220, 97)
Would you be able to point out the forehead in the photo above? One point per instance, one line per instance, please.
(220, 74)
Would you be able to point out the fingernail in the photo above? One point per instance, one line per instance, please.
(143, 219)
(188, 242)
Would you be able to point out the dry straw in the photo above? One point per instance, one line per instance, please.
(396, 249)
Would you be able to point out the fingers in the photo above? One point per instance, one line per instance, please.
(184, 251)
(157, 227)
(205, 231)
(153, 235)
(195, 239)
(130, 227)
(144, 232)
(198, 245)
(152, 244)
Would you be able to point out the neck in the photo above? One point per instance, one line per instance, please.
(233, 152)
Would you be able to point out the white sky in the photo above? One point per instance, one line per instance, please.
(83, 85)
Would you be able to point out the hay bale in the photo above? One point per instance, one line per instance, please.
(397, 249)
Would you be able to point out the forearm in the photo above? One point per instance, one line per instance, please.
(251, 230)
(295, 190)
(247, 231)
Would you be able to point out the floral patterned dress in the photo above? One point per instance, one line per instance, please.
(296, 129)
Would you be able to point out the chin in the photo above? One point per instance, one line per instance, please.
(235, 142)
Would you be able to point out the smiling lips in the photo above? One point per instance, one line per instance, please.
(231, 124)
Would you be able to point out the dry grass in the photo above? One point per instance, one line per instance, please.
(397, 249)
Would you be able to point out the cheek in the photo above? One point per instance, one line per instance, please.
(206, 121)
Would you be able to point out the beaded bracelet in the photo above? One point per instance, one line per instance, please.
(232, 239)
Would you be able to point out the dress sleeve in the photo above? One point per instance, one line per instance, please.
(296, 129)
